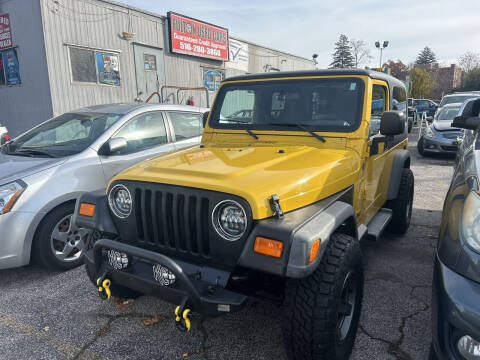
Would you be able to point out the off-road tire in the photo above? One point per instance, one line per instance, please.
(311, 304)
(420, 146)
(118, 291)
(41, 247)
(402, 205)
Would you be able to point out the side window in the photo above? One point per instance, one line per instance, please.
(399, 94)
(379, 101)
(143, 132)
(186, 125)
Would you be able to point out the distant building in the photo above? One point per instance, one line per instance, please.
(446, 78)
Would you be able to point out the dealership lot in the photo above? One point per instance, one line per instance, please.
(48, 315)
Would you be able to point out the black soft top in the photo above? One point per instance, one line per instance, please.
(324, 72)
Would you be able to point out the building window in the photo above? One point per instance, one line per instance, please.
(95, 67)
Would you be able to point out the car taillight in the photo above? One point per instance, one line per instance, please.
(7, 137)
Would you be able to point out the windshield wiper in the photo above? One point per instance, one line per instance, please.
(302, 127)
(29, 152)
(249, 132)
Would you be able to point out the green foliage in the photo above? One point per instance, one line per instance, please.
(421, 83)
(471, 81)
(426, 56)
(342, 57)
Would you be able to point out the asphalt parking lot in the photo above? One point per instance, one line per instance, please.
(49, 315)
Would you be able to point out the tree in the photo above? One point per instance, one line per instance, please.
(469, 61)
(420, 83)
(360, 52)
(426, 56)
(342, 57)
(471, 81)
(396, 68)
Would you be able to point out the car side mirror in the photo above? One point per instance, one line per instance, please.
(468, 116)
(113, 145)
(392, 123)
(205, 118)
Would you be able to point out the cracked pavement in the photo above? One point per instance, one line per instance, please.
(50, 315)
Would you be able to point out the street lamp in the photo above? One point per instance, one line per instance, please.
(314, 57)
(377, 45)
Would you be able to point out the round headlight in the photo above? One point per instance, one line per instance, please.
(229, 220)
(120, 201)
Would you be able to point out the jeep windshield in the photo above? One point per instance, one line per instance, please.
(321, 104)
(65, 135)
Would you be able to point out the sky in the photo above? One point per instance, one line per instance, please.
(304, 27)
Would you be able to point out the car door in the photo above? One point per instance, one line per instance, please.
(147, 136)
(186, 127)
(375, 160)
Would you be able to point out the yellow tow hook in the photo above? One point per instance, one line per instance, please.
(104, 289)
(183, 323)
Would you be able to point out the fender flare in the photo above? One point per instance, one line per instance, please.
(400, 162)
(321, 226)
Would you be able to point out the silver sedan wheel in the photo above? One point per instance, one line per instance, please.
(67, 241)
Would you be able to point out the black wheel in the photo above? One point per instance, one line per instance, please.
(118, 291)
(402, 205)
(321, 312)
(58, 243)
(421, 146)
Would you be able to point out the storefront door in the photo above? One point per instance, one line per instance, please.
(149, 70)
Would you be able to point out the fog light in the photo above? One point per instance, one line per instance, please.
(117, 260)
(469, 348)
(163, 275)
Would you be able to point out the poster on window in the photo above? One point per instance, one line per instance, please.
(108, 69)
(11, 67)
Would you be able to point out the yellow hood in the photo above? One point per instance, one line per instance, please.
(300, 175)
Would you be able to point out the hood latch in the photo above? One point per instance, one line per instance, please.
(275, 206)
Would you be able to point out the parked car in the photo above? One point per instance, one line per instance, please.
(425, 105)
(4, 137)
(458, 98)
(440, 136)
(456, 277)
(47, 168)
(277, 204)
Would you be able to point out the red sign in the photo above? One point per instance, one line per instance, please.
(5, 32)
(192, 37)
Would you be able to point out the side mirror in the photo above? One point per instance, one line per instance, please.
(113, 145)
(468, 115)
(205, 118)
(392, 123)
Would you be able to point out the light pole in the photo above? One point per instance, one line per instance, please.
(314, 58)
(377, 45)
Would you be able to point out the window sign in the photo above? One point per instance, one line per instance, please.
(5, 32)
(212, 80)
(11, 67)
(150, 62)
(108, 69)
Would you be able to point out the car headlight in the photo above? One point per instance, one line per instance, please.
(9, 194)
(120, 201)
(471, 221)
(229, 220)
(429, 132)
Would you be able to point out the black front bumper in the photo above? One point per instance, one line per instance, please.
(455, 310)
(201, 288)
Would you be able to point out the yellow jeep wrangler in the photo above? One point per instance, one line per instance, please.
(293, 171)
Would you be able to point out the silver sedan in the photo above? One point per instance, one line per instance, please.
(44, 171)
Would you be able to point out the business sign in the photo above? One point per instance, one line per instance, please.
(192, 37)
(108, 69)
(212, 80)
(11, 67)
(238, 55)
(5, 32)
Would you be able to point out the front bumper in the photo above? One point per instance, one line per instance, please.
(455, 310)
(439, 145)
(14, 244)
(201, 288)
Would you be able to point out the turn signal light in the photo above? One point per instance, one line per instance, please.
(268, 247)
(87, 209)
(314, 250)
